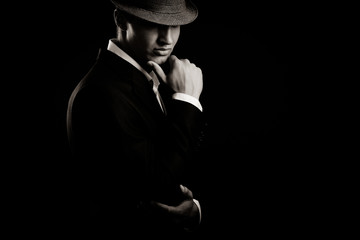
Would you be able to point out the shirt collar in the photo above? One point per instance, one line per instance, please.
(112, 47)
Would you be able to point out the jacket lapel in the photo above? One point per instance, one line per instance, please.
(141, 87)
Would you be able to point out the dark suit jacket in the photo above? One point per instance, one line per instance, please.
(127, 151)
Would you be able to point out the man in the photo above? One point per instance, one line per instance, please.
(135, 148)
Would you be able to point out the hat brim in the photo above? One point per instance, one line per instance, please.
(170, 19)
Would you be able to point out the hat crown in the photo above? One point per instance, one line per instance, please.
(161, 6)
(168, 12)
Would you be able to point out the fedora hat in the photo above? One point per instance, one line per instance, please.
(166, 12)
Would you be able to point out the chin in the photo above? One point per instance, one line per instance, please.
(160, 59)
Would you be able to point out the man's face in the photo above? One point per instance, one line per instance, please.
(150, 41)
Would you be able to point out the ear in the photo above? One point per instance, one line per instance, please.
(120, 20)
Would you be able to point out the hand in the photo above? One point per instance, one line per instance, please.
(185, 214)
(183, 77)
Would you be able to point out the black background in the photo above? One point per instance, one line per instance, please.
(258, 170)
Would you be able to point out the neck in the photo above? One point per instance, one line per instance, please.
(125, 47)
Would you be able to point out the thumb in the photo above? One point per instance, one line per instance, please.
(158, 70)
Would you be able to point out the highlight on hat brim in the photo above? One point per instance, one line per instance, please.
(170, 19)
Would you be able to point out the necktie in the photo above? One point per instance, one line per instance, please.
(156, 84)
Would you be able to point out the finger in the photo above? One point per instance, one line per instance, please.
(158, 70)
(187, 192)
(186, 61)
(172, 59)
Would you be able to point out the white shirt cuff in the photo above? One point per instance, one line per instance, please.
(198, 205)
(187, 98)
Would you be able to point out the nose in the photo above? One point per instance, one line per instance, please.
(165, 35)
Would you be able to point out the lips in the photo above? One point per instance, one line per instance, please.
(162, 51)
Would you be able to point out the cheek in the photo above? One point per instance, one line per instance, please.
(141, 43)
(175, 34)
(147, 41)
